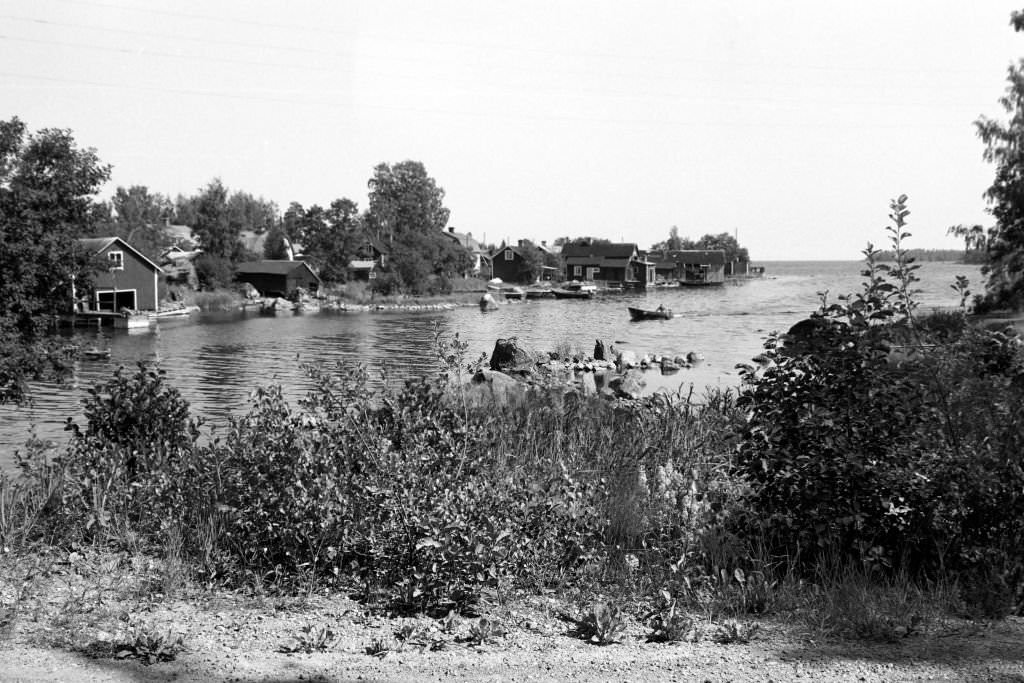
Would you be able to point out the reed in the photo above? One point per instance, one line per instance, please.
(215, 300)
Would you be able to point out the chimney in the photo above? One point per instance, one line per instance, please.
(451, 229)
(520, 242)
(543, 243)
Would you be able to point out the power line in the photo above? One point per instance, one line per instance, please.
(423, 110)
(475, 86)
(168, 36)
(889, 69)
(157, 53)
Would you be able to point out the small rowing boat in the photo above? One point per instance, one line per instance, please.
(660, 313)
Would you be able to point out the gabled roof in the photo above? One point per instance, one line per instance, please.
(518, 251)
(618, 250)
(180, 234)
(273, 267)
(380, 245)
(701, 256)
(98, 244)
(464, 239)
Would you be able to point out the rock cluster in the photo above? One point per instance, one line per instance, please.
(613, 374)
(362, 308)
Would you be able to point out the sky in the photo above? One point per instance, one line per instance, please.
(790, 124)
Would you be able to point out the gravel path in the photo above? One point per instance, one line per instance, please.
(236, 639)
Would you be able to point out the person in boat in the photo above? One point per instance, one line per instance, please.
(661, 308)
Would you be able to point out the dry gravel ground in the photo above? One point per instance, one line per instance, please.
(59, 623)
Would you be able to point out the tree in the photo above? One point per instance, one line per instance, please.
(139, 217)
(251, 214)
(407, 211)
(1004, 146)
(403, 200)
(727, 243)
(580, 241)
(673, 243)
(974, 236)
(47, 199)
(330, 243)
(212, 226)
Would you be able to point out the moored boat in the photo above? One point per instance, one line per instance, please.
(174, 311)
(575, 290)
(539, 293)
(660, 313)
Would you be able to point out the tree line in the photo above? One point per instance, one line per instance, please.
(406, 212)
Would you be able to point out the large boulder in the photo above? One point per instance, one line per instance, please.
(488, 302)
(489, 388)
(668, 366)
(511, 356)
(629, 385)
(588, 385)
(627, 359)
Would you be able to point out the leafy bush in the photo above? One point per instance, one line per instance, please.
(889, 439)
(214, 272)
(135, 463)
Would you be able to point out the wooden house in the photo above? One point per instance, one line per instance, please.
(130, 281)
(615, 265)
(278, 278)
(476, 251)
(370, 256)
(690, 266)
(510, 263)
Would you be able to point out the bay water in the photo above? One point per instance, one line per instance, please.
(216, 359)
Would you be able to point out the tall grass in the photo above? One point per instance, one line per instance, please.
(215, 300)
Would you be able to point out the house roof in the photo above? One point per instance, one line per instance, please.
(518, 251)
(272, 267)
(380, 245)
(98, 244)
(180, 234)
(464, 239)
(618, 250)
(702, 256)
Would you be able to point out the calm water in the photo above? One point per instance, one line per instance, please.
(215, 360)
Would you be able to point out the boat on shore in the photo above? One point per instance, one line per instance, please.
(539, 293)
(514, 293)
(575, 290)
(693, 282)
(174, 311)
(96, 354)
(660, 313)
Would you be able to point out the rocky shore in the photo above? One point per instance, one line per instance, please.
(615, 374)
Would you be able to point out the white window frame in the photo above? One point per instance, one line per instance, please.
(115, 260)
(510, 255)
(577, 270)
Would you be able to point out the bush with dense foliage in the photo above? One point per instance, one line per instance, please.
(888, 438)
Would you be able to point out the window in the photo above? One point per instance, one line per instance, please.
(509, 255)
(115, 260)
(577, 270)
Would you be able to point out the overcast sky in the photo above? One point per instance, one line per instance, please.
(790, 124)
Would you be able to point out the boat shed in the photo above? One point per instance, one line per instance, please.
(696, 266)
(131, 281)
(278, 278)
(615, 264)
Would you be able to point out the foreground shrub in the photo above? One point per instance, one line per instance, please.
(887, 439)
